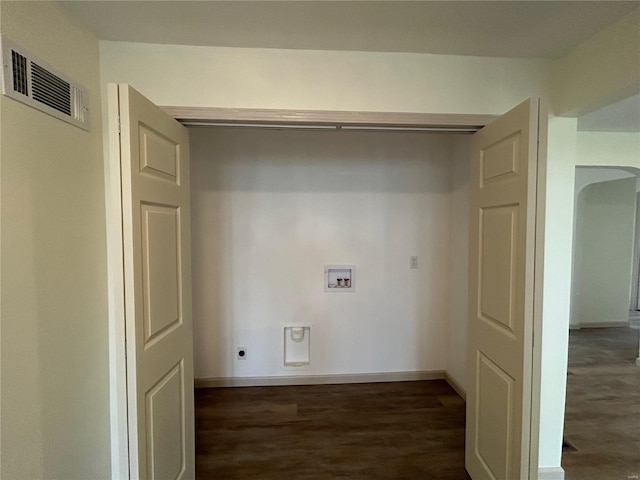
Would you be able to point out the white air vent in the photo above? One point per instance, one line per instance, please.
(31, 81)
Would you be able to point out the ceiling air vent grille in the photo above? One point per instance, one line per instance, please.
(31, 81)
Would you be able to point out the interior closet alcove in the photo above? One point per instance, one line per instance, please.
(271, 207)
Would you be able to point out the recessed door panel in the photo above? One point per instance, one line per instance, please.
(497, 265)
(161, 269)
(493, 411)
(159, 156)
(500, 161)
(165, 426)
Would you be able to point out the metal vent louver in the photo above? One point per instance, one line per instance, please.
(19, 73)
(50, 89)
(31, 81)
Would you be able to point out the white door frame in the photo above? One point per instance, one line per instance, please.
(536, 374)
(115, 262)
(115, 254)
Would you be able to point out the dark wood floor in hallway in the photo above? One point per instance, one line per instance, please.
(403, 430)
(602, 419)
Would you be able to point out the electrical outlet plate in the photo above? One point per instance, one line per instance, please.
(413, 262)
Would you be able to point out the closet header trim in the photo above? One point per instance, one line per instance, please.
(349, 120)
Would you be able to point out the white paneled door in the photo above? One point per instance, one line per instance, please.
(154, 161)
(501, 295)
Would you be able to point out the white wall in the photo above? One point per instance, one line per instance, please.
(615, 149)
(271, 208)
(586, 176)
(54, 387)
(603, 253)
(601, 70)
(323, 80)
(560, 172)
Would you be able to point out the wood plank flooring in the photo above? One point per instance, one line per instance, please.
(414, 430)
(602, 419)
(403, 430)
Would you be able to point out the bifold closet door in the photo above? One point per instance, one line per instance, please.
(154, 156)
(502, 238)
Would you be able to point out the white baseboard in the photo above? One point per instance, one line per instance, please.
(456, 386)
(600, 325)
(550, 473)
(320, 379)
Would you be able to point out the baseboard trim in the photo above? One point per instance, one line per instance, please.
(456, 386)
(550, 473)
(320, 379)
(601, 325)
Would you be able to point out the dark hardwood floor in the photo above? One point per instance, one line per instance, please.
(602, 419)
(404, 430)
(414, 430)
